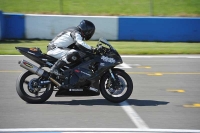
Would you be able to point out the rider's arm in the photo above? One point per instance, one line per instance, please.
(81, 44)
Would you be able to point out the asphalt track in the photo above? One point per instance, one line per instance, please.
(166, 98)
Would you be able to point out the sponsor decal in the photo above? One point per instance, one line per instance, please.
(93, 89)
(85, 73)
(31, 53)
(44, 82)
(28, 64)
(107, 59)
(77, 71)
(75, 89)
(48, 63)
(102, 64)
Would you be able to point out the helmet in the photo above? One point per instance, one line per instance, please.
(87, 28)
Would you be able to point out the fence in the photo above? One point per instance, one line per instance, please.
(104, 7)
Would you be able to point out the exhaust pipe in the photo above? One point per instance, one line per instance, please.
(36, 70)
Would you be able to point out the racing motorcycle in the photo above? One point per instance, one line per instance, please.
(92, 75)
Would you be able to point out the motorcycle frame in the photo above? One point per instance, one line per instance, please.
(109, 62)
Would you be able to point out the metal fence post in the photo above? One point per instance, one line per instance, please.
(151, 7)
(61, 6)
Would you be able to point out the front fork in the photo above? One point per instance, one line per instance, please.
(112, 75)
(114, 82)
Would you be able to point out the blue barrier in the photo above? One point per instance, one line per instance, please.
(165, 29)
(159, 29)
(1, 25)
(14, 26)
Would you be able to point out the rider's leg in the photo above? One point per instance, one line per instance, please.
(57, 53)
(55, 68)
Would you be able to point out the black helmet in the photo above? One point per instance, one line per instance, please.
(87, 29)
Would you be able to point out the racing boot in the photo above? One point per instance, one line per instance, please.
(55, 68)
(64, 87)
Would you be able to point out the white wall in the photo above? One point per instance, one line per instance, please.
(48, 26)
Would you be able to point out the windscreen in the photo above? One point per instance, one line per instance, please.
(102, 40)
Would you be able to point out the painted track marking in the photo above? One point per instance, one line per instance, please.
(154, 74)
(10, 71)
(145, 73)
(123, 65)
(162, 56)
(135, 118)
(147, 67)
(144, 56)
(179, 91)
(99, 130)
(166, 73)
(195, 105)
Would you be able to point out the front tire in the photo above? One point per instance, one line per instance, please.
(119, 94)
(25, 93)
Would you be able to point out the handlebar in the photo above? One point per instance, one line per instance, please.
(101, 49)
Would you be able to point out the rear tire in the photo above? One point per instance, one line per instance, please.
(125, 81)
(22, 89)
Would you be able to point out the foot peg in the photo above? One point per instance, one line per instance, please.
(64, 87)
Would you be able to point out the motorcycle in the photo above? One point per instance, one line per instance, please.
(92, 75)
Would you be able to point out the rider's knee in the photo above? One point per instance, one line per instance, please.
(72, 56)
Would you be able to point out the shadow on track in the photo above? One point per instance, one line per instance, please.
(92, 102)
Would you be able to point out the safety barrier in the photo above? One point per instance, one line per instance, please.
(1, 25)
(48, 26)
(170, 29)
(13, 26)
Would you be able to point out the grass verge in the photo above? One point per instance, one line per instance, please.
(123, 47)
(104, 7)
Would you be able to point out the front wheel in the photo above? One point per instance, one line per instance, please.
(32, 88)
(116, 89)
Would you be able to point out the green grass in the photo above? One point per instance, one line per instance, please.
(144, 48)
(104, 7)
(107, 7)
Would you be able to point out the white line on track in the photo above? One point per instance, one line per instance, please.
(149, 56)
(135, 118)
(194, 57)
(99, 130)
(161, 56)
(11, 55)
(123, 65)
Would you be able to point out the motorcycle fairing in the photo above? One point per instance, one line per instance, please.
(77, 92)
(86, 75)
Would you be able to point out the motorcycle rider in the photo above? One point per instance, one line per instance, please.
(61, 47)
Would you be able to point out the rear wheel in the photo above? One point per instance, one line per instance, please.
(118, 89)
(32, 88)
